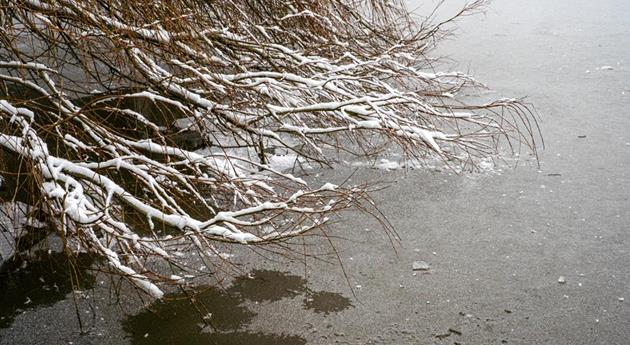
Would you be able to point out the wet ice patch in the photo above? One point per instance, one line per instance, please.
(267, 286)
(228, 313)
(43, 280)
(326, 302)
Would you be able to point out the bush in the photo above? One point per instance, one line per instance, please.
(138, 130)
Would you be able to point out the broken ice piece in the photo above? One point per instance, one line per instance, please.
(562, 280)
(420, 266)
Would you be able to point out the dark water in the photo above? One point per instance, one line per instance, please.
(266, 286)
(211, 315)
(39, 282)
(326, 302)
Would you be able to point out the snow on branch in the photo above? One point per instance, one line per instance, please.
(145, 127)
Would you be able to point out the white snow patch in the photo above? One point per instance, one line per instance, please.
(382, 164)
(177, 278)
(285, 162)
(225, 256)
(328, 186)
(486, 166)
(385, 164)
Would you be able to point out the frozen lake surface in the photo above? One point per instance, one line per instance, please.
(490, 250)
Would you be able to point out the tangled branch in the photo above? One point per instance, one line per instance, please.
(144, 128)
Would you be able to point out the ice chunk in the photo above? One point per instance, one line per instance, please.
(420, 266)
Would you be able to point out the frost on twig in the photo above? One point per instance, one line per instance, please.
(144, 127)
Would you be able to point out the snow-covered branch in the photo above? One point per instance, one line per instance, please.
(146, 126)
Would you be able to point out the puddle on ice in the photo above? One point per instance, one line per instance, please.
(39, 282)
(177, 320)
(326, 302)
(266, 286)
